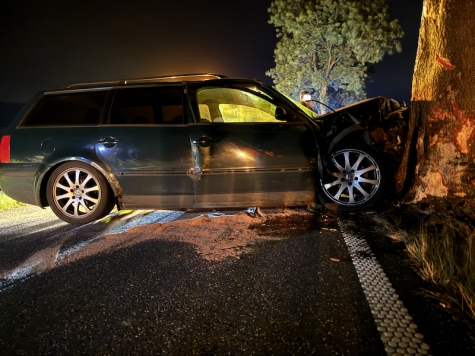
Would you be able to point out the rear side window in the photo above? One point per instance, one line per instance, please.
(78, 109)
(147, 106)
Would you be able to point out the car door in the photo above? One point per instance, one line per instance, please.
(243, 155)
(146, 144)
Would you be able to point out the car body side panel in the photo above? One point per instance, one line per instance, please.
(151, 163)
(18, 181)
(51, 144)
(267, 164)
(37, 150)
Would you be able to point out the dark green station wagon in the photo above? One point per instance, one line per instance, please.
(180, 142)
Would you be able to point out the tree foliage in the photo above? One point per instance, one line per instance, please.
(326, 46)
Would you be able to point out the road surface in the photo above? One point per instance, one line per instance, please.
(165, 282)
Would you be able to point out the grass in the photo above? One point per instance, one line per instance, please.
(446, 256)
(443, 249)
(7, 203)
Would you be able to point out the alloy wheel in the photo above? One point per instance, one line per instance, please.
(354, 179)
(76, 192)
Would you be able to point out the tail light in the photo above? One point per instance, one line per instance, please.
(5, 149)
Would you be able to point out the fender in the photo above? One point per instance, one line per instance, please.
(106, 172)
(346, 132)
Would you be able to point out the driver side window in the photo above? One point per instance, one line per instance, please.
(231, 105)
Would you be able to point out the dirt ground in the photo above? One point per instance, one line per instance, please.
(214, 236)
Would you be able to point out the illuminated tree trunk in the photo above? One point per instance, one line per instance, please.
(442, 124)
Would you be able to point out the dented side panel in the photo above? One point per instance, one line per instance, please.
(255, 158)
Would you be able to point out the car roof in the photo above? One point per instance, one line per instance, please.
(173, 79)
(164, 79)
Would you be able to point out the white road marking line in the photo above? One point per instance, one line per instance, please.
(7, 284)
(50, 227)
(65, 233)
(33, 266)
(159, 216)
(37, 263)
(398, 334)
(75, 248)
(129, 216)
(15, 230)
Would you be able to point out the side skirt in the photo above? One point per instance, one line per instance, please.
(242, 200)
(262, 199)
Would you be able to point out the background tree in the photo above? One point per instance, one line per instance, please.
(442, 123)
(326, 46)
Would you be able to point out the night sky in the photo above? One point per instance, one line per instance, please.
(48, 44)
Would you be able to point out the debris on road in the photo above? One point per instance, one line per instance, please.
(213, 238)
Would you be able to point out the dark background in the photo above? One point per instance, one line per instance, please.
(48, 44)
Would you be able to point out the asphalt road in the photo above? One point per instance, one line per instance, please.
(294, 293)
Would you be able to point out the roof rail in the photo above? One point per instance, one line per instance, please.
(170, 78)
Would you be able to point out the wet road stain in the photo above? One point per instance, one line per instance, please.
(294, 224)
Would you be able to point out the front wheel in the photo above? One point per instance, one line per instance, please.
(357, 179)
(78, 193)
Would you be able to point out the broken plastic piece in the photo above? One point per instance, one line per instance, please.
(252, 210)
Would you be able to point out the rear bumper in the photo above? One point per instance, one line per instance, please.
(19, 182)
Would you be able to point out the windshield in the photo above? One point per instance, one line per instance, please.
(306, 110)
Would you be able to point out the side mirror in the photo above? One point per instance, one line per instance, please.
(280, 114)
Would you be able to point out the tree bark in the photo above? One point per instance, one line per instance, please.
(442, 122)
(323, 94)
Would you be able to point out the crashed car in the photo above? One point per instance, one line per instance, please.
(188, 141)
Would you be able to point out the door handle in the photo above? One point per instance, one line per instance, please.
(203, 141)
(109, 142)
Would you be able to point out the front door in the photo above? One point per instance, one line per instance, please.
(244, 156)
(147, 146)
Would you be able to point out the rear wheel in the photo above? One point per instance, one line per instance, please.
(357, 179)
(78, 193)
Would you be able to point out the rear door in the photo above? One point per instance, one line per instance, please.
(145, 142)
(243, 155)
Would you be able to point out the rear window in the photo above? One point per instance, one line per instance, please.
(78, 109)
(147, 106)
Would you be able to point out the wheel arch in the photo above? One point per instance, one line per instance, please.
(351, 133)
(106, 173)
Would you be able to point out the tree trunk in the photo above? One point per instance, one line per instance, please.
(442, 123)
(322, 97)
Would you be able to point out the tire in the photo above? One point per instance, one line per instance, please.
(78, 193)
(357, 181)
